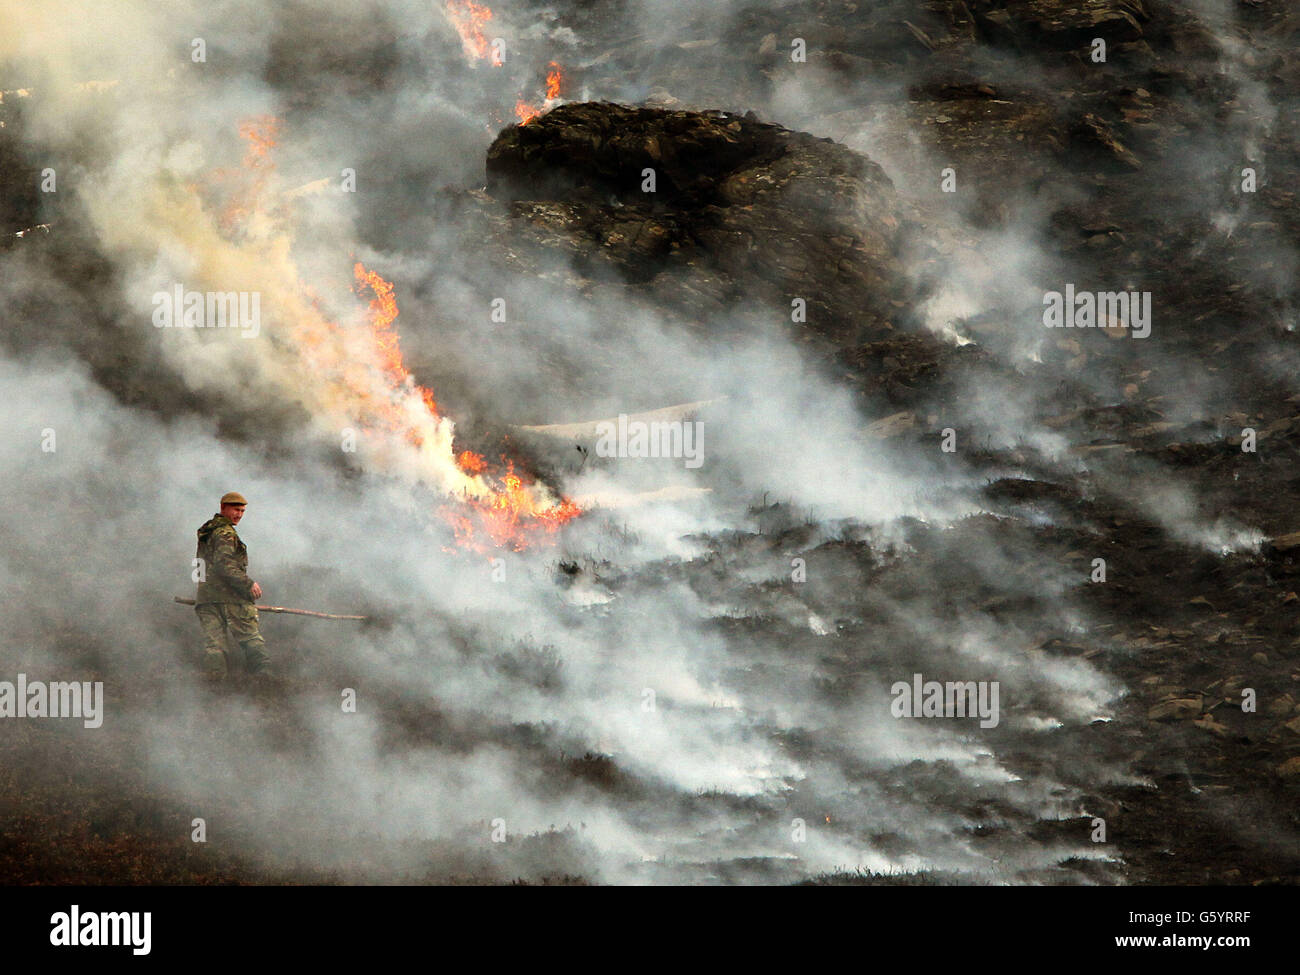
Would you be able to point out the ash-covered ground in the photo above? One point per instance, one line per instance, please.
(837, 278)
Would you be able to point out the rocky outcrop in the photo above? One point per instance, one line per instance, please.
(702, 211)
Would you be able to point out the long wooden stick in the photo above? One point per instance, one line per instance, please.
(285, 609)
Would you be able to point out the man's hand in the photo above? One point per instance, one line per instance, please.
(257, 591)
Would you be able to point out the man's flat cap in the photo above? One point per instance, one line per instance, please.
(233, 497)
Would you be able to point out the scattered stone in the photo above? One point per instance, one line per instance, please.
(1290, 769)
(1073, 23)
(1094, 132)
(892, 426)
(1178, 709)
(1207, 723)
(1284, 543)
(1283, 705)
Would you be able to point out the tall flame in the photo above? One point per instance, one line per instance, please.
(470, 19)
(350, 377)
(383, 312)
(511, 512)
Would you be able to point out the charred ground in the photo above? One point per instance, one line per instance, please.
(752, 214)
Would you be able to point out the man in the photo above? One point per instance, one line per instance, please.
(224, 602)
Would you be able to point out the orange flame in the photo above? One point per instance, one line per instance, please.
(554, 79)
(525, 112)
(259, 132)
(509, 515)
(471, 463)
(469, 19)
(509, 518)
(251, 178)
(382, 313)
(359, 378)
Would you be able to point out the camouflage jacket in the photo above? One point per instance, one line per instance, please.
(225, 564)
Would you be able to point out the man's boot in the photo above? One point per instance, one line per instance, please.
(215, 667)
(257, 664)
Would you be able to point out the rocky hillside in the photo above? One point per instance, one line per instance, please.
(895, 187)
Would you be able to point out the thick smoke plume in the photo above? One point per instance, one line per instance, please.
(667, 687)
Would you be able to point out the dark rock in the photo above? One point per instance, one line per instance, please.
(1094, 133)
(1062, 23)
(741, 210)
